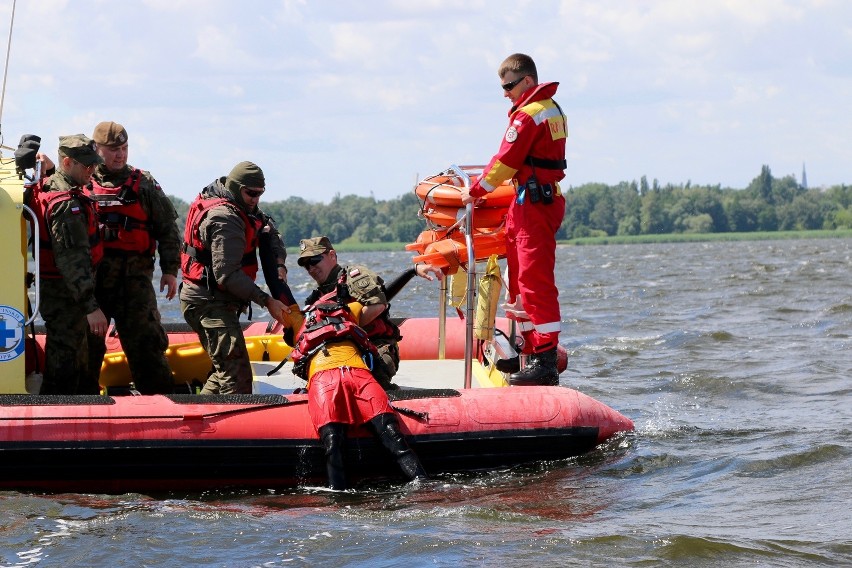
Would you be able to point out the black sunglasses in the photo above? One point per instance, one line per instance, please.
(310, 261)
(87, 166)
(509, 86)
(253, 193)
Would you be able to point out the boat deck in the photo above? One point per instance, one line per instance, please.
(415, 374)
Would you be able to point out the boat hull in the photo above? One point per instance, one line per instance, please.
(160, 443)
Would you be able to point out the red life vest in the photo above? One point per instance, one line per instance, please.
(43, 203)
(125, 225)
(195, 259)
(380, 328)
(327, 321)
(383, 328)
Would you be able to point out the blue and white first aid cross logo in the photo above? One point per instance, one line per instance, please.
(11, 333)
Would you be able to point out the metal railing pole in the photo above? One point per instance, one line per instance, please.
(471, 283)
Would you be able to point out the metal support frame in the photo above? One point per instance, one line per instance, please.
(36, 248)
(462, 173)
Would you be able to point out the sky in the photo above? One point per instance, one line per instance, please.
(335, 97)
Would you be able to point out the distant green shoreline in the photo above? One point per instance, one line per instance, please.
(710, 237)
(632, 240)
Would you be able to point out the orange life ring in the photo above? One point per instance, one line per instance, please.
(449, 253)
(445, 191)
(429, 236)
(425, 239)
(483, 217)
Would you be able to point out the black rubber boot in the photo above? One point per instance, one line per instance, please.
(333, 436)
(540, 371)
(386, 427)
(511, 365)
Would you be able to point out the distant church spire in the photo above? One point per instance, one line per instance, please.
(804, 177)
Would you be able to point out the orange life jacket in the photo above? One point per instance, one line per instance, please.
(327, 321)
(380, 328)
(43, 203)
(125, 225)
(195, 259)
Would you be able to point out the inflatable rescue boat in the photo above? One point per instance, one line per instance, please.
(455, 408)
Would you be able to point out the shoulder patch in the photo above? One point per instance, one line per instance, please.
(354, 272)
(511, 134)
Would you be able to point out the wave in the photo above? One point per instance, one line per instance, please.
(770, 467)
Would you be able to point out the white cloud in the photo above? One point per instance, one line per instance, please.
(323, 95)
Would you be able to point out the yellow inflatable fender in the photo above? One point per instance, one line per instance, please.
(490, 285)
(190, 362)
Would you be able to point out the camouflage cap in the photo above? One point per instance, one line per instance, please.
(81, 148)
(313, 246)
(109, 134)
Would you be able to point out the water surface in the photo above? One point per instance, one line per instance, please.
(733, 359)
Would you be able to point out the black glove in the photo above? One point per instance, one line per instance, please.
(25, 155)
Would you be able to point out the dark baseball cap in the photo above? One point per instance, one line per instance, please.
(81, 148)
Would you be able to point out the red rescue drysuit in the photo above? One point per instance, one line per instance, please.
(533, 146)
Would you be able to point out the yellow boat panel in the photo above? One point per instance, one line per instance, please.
(13, 258)
(488, 376)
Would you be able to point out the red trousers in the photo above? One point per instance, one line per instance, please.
(531, 256)
(345, 395)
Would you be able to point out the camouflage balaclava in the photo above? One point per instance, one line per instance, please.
(245, 174)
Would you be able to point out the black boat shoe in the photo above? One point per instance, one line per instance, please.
(540, 371)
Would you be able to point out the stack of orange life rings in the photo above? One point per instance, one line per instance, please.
(446, 190)
(443, 244)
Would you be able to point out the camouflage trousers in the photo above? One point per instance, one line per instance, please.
(66, 364)
(385, 367)
(125, 293)
(218, 327)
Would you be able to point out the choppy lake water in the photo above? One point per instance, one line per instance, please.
(733, 359)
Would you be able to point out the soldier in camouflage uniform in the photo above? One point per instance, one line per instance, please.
(137, 219)
(319, 258)
(69, 251)
(219, 264)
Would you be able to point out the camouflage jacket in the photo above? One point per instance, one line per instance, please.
(365, 286)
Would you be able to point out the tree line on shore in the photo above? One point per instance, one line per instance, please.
(592, 210)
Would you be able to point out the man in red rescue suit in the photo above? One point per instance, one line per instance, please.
(70, 251)
(219, 266)
(532, 154)
(318, 257)
(137, 220)
(342, 393)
